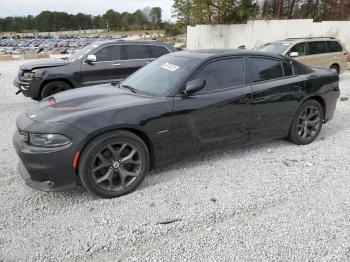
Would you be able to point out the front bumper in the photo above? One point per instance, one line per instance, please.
(46, 169)
(29, 88)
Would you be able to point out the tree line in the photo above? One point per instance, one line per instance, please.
(47, 21)
(186, 12)
(191, 12)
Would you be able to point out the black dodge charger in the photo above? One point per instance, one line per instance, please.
(109, 136)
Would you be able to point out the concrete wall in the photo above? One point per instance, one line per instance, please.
(258, 32)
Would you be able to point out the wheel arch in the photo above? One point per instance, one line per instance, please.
(321, 101)
(337, 66)
(46, 81)
(141, 134)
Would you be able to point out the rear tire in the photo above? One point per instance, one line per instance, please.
(307, 123)
(54, 87)
(114, 164)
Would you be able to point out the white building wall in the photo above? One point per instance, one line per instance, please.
(258, 32)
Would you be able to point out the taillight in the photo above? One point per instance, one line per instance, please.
(52, 101)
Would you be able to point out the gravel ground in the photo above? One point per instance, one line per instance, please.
(268, 201)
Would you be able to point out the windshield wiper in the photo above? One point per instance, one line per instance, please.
(134, 90)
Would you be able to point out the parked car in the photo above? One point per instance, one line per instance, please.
(99, 62)
(325, 52)
(179, 105)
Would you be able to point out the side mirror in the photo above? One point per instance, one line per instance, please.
(294, 54)
(194, 86)
(91, 59)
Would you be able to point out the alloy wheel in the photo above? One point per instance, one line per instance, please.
(309, 122)
(116, 166)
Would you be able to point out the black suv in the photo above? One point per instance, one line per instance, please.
(100, 62)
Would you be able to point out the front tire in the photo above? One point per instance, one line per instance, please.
(114, 164)
(336, 68)
(54, 87)
(307, 123)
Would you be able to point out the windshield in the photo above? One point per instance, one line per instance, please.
(162, 75)
(78, 55)
(278, 48)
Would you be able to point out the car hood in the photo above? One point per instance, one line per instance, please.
(44, 63)
(83, 101)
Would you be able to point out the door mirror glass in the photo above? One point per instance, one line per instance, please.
(294, 54)
(91, 59)
(194, 86)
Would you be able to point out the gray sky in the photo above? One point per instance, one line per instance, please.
(95, 7)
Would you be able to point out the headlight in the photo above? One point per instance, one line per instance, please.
(48, 140)
(28, 75)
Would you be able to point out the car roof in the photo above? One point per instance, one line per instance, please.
(304, 39)
(122, 41)
(205, 54)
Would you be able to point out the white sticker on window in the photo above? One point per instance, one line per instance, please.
(170, 67)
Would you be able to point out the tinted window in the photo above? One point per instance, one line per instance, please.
(334, 46)
(162, 75)
(300, 48)
(108, 53)
(157, 51)
(317, 48)
(287, 68)
(262, 69)
(136, 52)
(222, 74)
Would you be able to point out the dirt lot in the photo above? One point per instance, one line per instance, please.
(268, 201)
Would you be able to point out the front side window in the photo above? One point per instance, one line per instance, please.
(108, 53)
(136, 52)
(222, 74)
(300, 49)
(157, 51)
(162, 75)
(318, 47)
(263, 69)
(334, 47)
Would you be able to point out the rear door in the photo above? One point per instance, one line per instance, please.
(275, 92)
(107, 68)
(319, 55)
(136, 56)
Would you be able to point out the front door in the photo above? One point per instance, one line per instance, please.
(108, 67)
(217, 115)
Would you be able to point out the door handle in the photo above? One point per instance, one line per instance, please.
(115, 64)
(295, 88)
(147, 62)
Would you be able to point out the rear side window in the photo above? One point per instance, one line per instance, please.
(157, 51)
(334, 46)
(263, 69)
(287, 68)
(136, 52)
(222, 74)
(318, 47)
(108, 53)
(300, 49)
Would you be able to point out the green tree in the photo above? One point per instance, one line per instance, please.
(155, 15)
